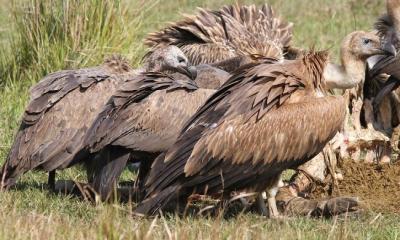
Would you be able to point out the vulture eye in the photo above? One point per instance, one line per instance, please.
(181, 60)
(366, 41)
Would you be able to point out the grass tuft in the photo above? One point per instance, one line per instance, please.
(51, 35)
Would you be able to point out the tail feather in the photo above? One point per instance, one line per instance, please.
(150, 206)
(106, 170)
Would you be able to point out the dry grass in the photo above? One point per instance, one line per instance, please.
(28, 52)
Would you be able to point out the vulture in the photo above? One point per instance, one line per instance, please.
(266, 118)
(232, 36)
(388, 27)
(267, 37)
(140, 121)
(62, 107)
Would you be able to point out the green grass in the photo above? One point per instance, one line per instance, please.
(31, 212)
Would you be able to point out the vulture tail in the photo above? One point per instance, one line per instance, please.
(105, 169)
(8, 177)
(159, 201)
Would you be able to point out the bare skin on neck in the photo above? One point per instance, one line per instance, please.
(355, 50)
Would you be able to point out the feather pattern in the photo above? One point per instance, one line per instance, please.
(213, 36)
(130, 112)
(61, 108)
(143, 118)
(239, 139)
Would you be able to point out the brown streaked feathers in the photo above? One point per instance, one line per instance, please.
(213, 36)
(142, 119)
(62, 106)
(231, 144)
(125, 112)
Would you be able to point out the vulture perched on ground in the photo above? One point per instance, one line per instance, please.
(140, 121)
(266, 118)
(62, 108)
(267, 37)
(230, 37)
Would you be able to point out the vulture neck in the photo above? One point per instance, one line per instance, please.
(149, 67)
(345, 76)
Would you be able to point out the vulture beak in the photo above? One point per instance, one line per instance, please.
(190, 71)
(389, 49)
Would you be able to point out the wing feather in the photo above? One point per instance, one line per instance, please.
(213, 36)
(123, 116)
(62, 105)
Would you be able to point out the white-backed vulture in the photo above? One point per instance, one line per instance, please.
(140, 121)
(266, 118)
(233, 35)
(63, 106)
(142, 128)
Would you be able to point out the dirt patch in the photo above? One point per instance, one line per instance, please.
(377, 186)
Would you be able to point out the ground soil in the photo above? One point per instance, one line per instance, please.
(377, 185)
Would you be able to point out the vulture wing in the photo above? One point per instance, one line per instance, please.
(261, 122)
(213, 36)
(61, 108)
(262, 22)
(146, 113)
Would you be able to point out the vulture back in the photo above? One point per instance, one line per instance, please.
(214, 36)
(61, 109)
(146, 113)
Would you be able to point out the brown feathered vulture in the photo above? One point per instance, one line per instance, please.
(267, 38)
(140, 121)
(266, 118)
(233, 35)
(62, 108)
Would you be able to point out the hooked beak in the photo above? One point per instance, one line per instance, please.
(389, 49)
(190, 71)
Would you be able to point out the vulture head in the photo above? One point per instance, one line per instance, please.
(356, 48)
(169, 58)
(363, 45)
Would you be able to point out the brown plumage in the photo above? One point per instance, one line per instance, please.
(210, 77)
(62, 108)
(266, 118)
(141, 120)
(248, 32)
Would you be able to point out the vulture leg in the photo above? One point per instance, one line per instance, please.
(273, 210)
(391, 84)
(144, 169)
(271, 194)
(51, 181)
(261, 205)
(107, 170)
